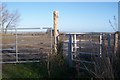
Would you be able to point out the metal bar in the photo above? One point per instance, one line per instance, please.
(16, 46)
(51, 41)
(101, 44)
(9, 49)
(96, 33)
(7, 44)
(1, 31)
(17, 62)
(90, 62)
(88, 53)
(48, 62)
(109, 44)
(22, 28)
(70, 50)
(21, 53)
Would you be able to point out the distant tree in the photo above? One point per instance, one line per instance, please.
(8, 19)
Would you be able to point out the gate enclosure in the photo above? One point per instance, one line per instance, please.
(88, 48)
(19, 46)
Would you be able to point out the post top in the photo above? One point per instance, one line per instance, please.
(56, 12)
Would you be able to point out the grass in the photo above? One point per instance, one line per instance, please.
(24, 70)
(37, 71)
(58, 69)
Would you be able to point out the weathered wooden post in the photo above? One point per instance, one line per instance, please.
(56, 15)
(116, 42)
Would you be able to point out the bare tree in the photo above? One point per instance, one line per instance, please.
(114, 26)
(8, 19)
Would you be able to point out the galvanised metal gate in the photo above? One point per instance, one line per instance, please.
(20, 45)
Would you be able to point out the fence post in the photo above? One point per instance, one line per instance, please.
(116, 42)
(70, 50)
(75, 43)
(101, 44)
(56, 15)
(109, 45)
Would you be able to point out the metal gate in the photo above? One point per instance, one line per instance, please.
(20, 45)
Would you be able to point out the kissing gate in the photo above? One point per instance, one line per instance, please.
(88, 48)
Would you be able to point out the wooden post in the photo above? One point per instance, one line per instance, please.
(116, 42)
(56, 15)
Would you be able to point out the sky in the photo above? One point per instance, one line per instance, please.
(73, 16)
(59, 0)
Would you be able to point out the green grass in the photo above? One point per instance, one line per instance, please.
(26, 70)
(36, 71)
